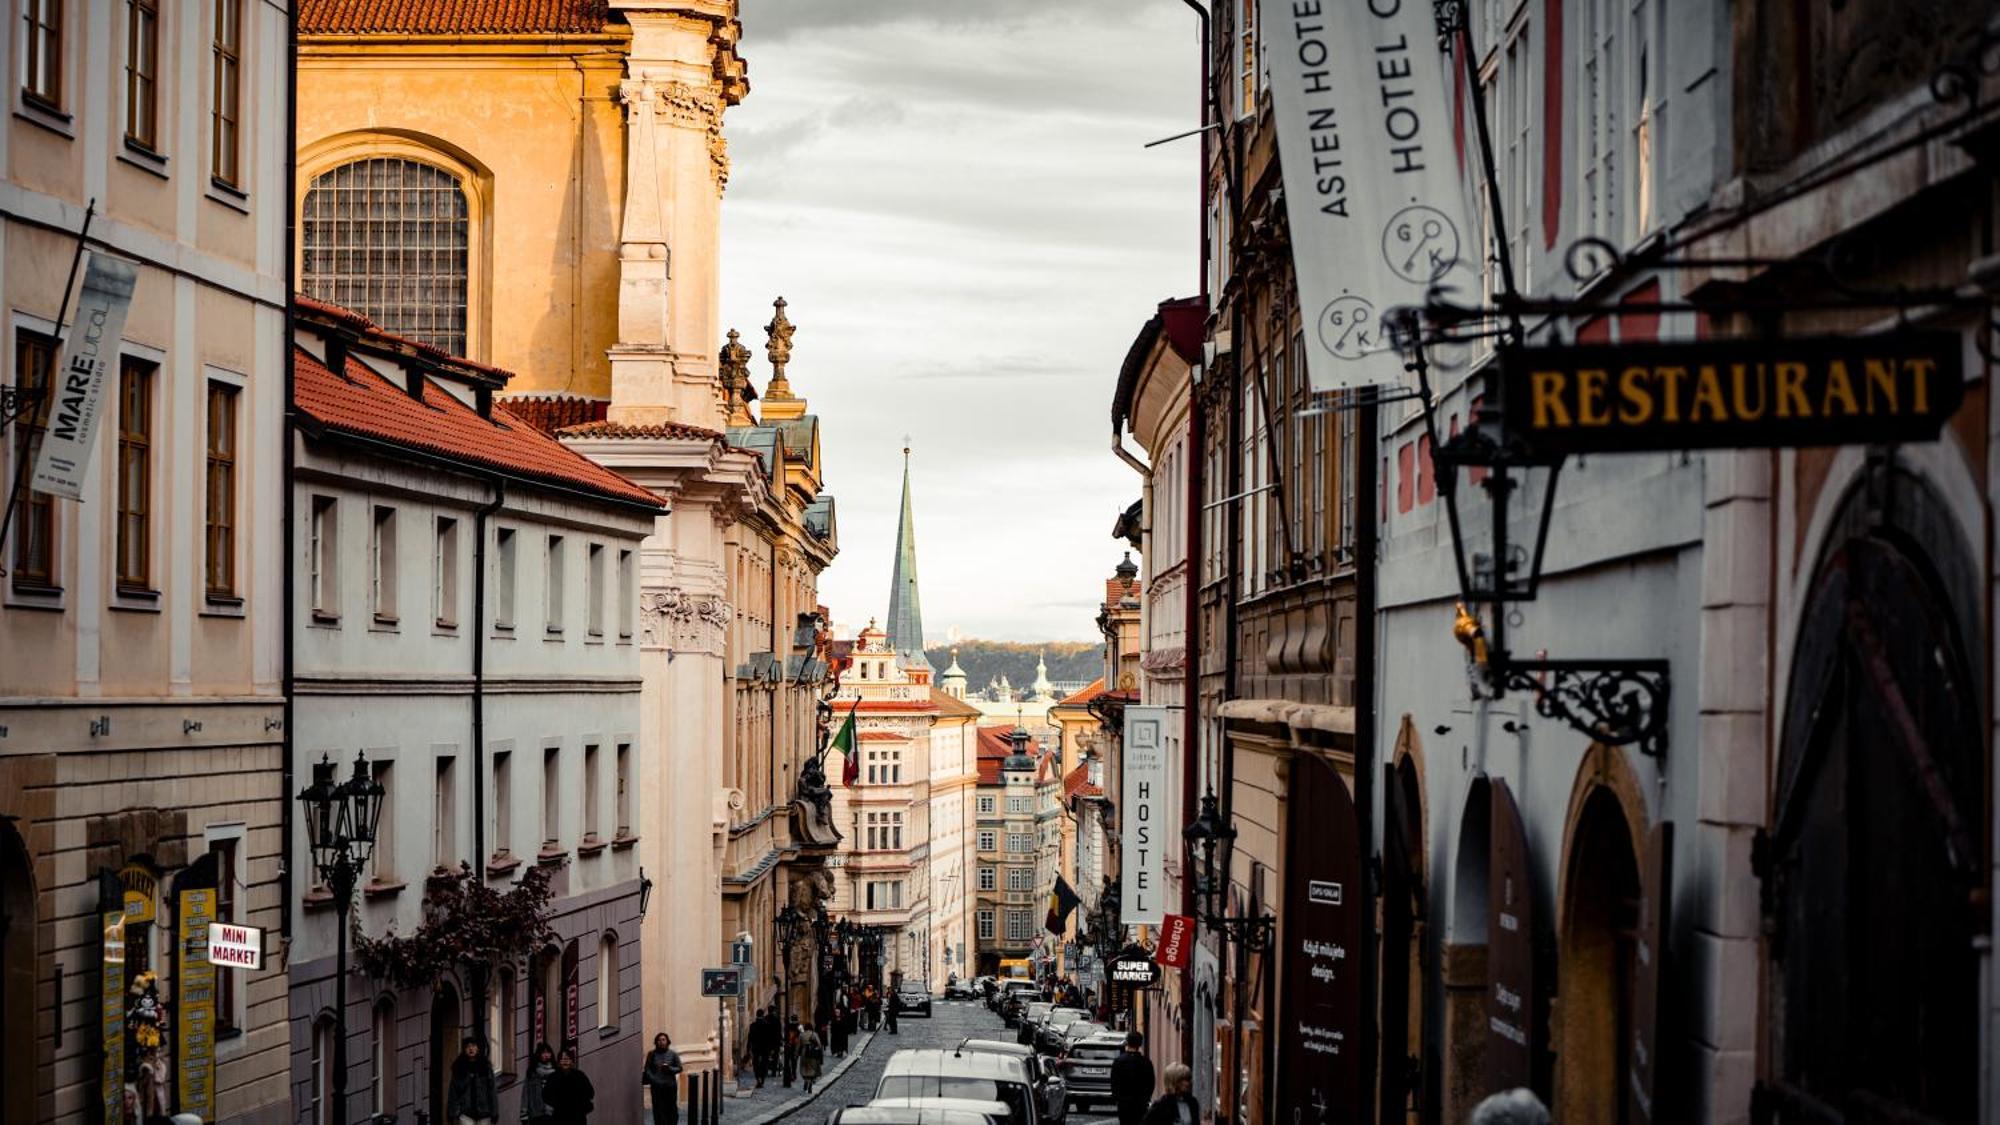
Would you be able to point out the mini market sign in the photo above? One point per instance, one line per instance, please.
(1735, 394)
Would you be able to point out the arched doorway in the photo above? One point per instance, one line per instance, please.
(1596, 971)
(17, 977)
(1462, 957)
(1405, 1090)
(446, 1031)
(1875, 868)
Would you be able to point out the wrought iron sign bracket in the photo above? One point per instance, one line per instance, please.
(1252, 935)
(1615, 702)
(15, 402)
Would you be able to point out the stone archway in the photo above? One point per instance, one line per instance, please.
(18, 1049)
(1462, 957)
(1880, 823)
(1597, 938)
(1407, 1077)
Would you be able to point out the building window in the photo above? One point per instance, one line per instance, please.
(625, 592)
(323, 553)
(142, 73)
(444, 574)
(320, 1064)
(503, 805)
(503, 578)
(1018, 805)
(623, 795)
(986, 841)
(1020, 879)
(388, 237)
(444, 817)
(135, 474)
(1018, 926)
(382, 861)
(551, 814)
(225, 135)
(1020, 842)
(607, 981)
(986, 879)
(35, 538)
(552, 607)
(593, 589)
(42, 52)
(382, 567)
(986, 925)
(501, 1020)
(221, 529)
(591, 802)
(986, 805)
(383, 1085)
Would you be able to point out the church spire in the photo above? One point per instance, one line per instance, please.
(906, 613)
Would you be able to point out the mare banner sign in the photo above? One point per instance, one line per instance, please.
(1732, 394)
(76, 389)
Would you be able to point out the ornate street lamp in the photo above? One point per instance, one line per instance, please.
(1208, 833)
(790, 925)
(341, 818)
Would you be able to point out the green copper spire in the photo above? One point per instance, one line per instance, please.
(906, 613)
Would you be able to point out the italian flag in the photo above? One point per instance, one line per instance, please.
(850, 772)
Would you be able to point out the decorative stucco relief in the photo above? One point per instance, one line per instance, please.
(683, 622)
(683, 106)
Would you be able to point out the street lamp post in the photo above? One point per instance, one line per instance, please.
(341, 818)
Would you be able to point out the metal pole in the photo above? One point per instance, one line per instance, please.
(345, 890)
(1366, 569)
(38, 409)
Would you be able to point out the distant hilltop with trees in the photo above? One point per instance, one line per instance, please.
(1070, 662)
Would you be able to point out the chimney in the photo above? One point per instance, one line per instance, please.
(336, 353)
(482, 401)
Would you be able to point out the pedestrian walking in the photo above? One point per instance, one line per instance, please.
(760, 1035)
(473, 1097)
(889, 1012)
(1177, 1106)
(534, 1103)
(842, 1018)
(812, 1058)
(1518, 1106)
(792, 1050)
(1132, 1080)
(568, 1091)
(662, 1078)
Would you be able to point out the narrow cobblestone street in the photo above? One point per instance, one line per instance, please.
(952, 1022)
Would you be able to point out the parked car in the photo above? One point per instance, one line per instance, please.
(1076, 1033)
(1004, 988)
(923, 1111)
(1086, 1070)
(956, 989)
(1017, 1000)
(912, 998)
(1049, 1031)
(937, 1073)
(1030, 1021)
(1048, 1081)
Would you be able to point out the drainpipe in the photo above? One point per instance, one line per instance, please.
(1125, 455)
(1191, 759)
(288, 599)
(479, 522)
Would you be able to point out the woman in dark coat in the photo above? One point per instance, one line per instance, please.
(534, 1102)
(474, 1097)
(569, 1093)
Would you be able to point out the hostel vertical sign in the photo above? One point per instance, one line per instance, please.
(1372, 181)
(1143, 833)
(76, 392)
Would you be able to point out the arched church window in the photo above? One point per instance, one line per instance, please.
(387, 237)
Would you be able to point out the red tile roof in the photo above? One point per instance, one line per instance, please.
(673, 431)
(549, 413)
(896, 705)
(452, 17)
(989, 771)
(363, 403)
(1115, 592)
(1077, 781)
(883, 736)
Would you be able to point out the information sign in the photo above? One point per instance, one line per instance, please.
(722, 982)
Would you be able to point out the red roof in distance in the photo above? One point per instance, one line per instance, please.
(452, 17)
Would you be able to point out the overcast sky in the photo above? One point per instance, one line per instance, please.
(954, 200)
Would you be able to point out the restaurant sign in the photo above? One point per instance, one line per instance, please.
(1731, 394)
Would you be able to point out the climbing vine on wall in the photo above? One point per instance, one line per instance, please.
(466, 923)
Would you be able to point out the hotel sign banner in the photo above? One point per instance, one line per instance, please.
(1734, 394)
(1373, 187)
(1144, 834)
(76, 389)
